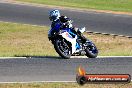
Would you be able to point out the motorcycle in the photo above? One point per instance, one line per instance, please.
(64, 48)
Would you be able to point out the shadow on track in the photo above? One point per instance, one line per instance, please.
(50, 57)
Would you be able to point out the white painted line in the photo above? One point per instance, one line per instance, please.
(100, 56)
(41, 82)
(112, 56)
(23, 24)
(13, 57)
(71, 57)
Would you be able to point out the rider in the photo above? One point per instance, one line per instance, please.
(65, 22)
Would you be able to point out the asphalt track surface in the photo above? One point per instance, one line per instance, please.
(93, 21)
(54, 69)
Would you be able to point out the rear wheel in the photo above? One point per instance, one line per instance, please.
(91, 51)
(62, 48)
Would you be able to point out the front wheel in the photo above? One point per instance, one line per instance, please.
(62, 48)
(91, 50)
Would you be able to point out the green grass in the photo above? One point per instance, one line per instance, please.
(27, 40)
(23, 40)
(64, 85)
(115, 5)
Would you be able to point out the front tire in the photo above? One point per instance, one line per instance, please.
(91, 51)
(62, 48)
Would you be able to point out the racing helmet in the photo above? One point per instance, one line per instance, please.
(54, 15)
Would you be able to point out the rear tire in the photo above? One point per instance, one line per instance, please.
(59, 45)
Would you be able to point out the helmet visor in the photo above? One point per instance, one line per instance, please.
(52, 18)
